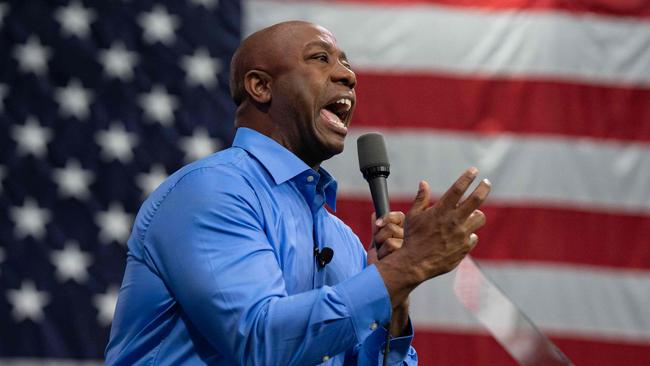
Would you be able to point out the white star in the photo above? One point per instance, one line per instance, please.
(159, 26)
(4, 9)
(31, 138)
(116, 143)
(4, 90)
(198, 145)
(208, 4)
(71, 263)
(32, 56)
(201, 69)
(73, 181)
(148, 182)
(74, 100)
(75, 19)
(27, 302)
(114, 224)
(30, 219)
(118, 62)
(105, 304)
(158, 105)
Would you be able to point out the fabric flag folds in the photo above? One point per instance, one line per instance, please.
(551, 101)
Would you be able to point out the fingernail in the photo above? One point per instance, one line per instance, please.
(473, 171)
(487, 181)
(379, 222)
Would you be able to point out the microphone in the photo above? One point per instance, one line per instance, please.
(373, 163)
(323, 256)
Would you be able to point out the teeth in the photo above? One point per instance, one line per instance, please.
(347, 102)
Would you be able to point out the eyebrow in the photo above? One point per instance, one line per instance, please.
(326, 46)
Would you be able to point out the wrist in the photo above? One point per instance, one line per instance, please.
(400, 319)
(399, 278)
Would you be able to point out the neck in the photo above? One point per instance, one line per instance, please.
(275, 132)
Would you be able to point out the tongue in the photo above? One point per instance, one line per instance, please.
(332, 118)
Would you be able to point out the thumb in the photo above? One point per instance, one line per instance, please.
(421, 201)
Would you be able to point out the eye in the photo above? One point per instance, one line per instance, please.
(321, 57)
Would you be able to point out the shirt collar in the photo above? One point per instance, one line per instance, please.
(329, 187)
(281, 163)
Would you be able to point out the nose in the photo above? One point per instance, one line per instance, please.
(344, 75)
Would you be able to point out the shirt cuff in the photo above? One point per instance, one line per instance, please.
(367, 298)
(400, 347)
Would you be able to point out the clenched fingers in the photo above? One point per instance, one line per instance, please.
(388, 231)
(389, 246)
(395, 217)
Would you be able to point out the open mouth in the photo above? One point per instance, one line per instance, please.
(340, 108)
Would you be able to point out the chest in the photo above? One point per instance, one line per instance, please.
(294, 230)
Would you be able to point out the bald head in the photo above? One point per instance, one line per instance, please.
(292, 83)
(263, 50)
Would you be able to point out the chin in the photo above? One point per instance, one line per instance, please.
(331, 149)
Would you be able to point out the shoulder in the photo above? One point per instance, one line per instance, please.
(219, 182)
(230, 170)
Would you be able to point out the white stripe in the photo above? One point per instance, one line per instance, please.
(549, 171)
(580, 302)
(581, 47)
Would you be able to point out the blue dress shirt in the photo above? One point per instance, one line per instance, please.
(221, 270)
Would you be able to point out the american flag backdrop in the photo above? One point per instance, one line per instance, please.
(99, 101)
(550, 99)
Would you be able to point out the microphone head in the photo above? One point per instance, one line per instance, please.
(372, 154)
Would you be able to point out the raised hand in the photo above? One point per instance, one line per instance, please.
(436, 238)
(444, 233)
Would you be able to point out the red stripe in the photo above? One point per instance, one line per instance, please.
(449, 348)
(539, 234)
(626, 8)
(497, 105)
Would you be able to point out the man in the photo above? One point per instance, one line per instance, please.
(221, 267)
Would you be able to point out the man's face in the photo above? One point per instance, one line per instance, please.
(313, 94)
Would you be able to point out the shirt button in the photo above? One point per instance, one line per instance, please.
(310, 178)
(373, 325)
(326, 358)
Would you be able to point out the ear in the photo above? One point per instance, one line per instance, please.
(258, 86)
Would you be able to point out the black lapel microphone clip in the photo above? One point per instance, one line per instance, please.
(323, 256)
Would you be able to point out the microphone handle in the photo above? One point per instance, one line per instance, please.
(379, 192)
